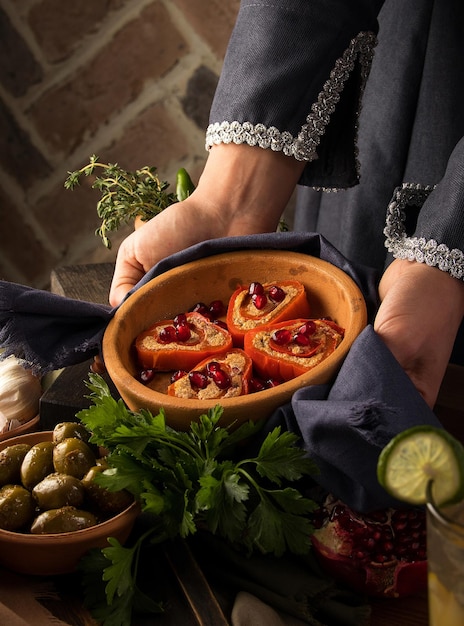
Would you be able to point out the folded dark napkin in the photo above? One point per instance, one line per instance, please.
(51, 331)
(343, 426)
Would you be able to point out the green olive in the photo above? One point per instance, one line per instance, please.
(37, 464)
(73, 456)
(107, 502)
(11, 459)
(57, 490)
(63, 520)
(65, 430)
(16, 507)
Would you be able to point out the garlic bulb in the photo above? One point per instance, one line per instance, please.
(20, 392)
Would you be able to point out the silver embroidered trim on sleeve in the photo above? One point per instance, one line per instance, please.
(418, 248)
(304, 146)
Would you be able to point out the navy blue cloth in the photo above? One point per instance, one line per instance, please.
(51, 331)
(343, 426)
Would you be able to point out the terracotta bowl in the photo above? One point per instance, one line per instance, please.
(28, 427)
(50, 555)
(330, 291)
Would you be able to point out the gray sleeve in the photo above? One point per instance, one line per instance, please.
(292, 81)
(436, 216)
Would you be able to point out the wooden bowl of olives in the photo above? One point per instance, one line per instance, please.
(51, 510)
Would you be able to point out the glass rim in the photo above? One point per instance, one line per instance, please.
(452, 525)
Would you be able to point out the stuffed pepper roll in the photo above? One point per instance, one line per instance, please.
(265, 303)
(181, 343)
(291, 348)
(225, 376)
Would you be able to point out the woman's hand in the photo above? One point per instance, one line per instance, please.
(177, 227)
(421, 310)
(243, 190)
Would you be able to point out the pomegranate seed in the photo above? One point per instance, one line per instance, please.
(308, 328)
(178, 375)
(256, 385)
(369, 543)
(221, 378)
(259, 300)
(256, 289)
(301, 340)
(213, 366)
(202, 309)
(167, 334)
(183, 332)
(282, 336)
(277, 294)
(198, 379)
(180, 320)
(146, 376)
(380, 558)
(388, 547)
(216, 308)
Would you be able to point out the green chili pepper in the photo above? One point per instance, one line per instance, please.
(184, 185)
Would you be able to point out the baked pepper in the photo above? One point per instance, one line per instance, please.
(181, 343)
(265, 303)
(291, 348)
(224, 376)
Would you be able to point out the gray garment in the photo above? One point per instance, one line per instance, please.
(412, 117)
(293, 77)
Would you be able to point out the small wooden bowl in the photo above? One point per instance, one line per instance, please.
(331, 292)
(30, 426)
(50, 555)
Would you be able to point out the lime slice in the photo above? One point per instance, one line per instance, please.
(418, 455)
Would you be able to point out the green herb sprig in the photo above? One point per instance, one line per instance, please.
(127, 195)
(193, 480)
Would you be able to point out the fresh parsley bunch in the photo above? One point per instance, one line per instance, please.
(185, 481)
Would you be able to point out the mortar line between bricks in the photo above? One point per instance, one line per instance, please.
(57, 73)
(20, 24)
(189, 32)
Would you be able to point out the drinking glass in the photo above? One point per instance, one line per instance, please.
(445, 554)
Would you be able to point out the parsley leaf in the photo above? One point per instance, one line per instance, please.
(279, 458)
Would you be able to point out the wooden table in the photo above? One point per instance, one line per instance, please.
(191, 591)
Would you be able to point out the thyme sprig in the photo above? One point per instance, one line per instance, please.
(127, 195)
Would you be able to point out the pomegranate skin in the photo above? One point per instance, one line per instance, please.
(348, 547)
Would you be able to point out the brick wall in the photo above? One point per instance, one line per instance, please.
(128, 80)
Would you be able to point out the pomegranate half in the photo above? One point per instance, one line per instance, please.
(381, 554)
